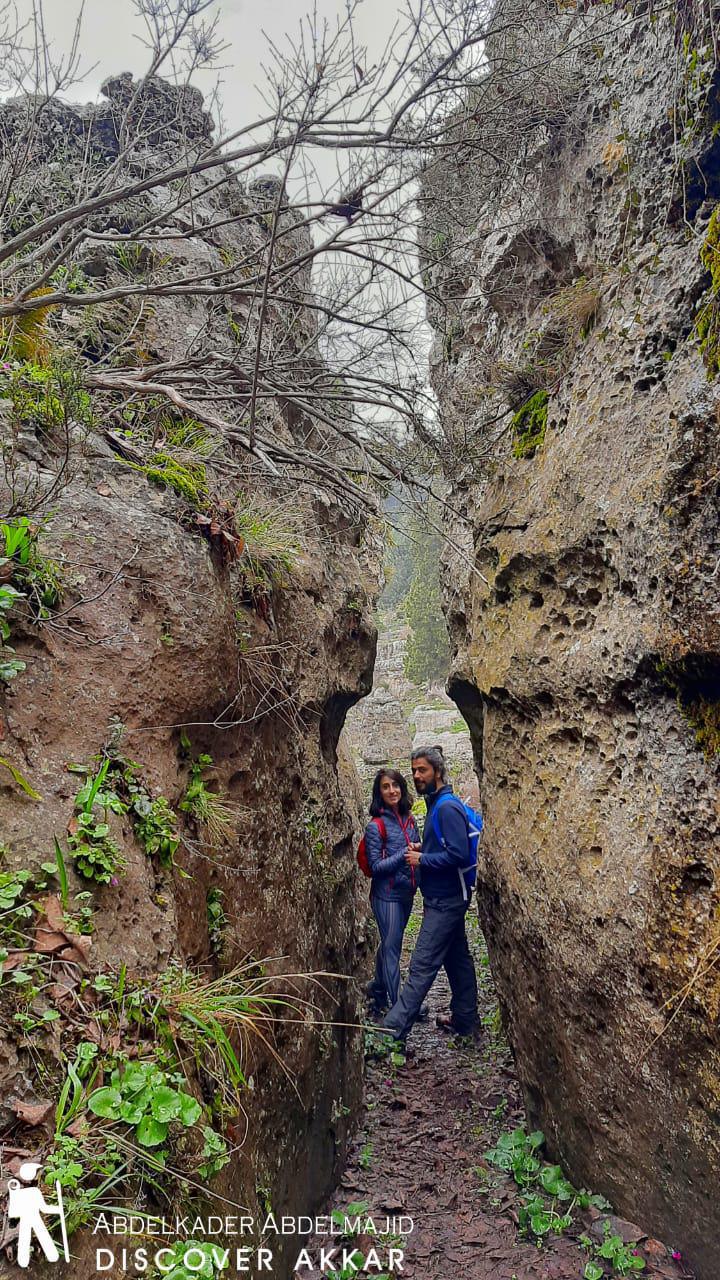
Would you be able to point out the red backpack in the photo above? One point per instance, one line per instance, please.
(362, 858)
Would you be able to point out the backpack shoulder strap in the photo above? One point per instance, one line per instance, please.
(448, 795)
(381, 828)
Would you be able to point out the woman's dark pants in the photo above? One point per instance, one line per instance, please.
(392, 918)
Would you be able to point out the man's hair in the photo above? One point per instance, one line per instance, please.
(435, 757)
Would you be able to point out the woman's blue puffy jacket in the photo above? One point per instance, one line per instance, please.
(392, 878)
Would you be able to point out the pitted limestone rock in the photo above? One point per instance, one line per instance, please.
(587, 644)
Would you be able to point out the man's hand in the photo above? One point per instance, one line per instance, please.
(412, 855)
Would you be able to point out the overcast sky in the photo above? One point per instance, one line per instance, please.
(110, 30)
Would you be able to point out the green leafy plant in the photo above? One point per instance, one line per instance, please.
(205, 806)
(18, 778)
(187, 437)
(175, 450)
(707, 321)
(141, 1096)
(87, 1162)
(227, 1012)
(65, 1164)
(17, 890)
(216, 920)
(132, 258)
(518, 1153)
(313, 830)
(71, 278)
(215, 1018)
(623, 1258)
(31, 1021)
(84, 1067)
(536, 1216)
(366, 1156)
(354, 1210)
(12, 887)
(96, 855)
(62, 873)
(32, 571)
(10, 666)
(153, 819)
(214, 1153)
(26, 984)
(45, 397)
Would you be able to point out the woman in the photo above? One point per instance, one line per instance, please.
(387, 836)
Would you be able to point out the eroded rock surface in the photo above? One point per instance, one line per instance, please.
(565, 258)
(160, 634)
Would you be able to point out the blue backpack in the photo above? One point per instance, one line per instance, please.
(468, 875)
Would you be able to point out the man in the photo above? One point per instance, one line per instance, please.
(442, 941)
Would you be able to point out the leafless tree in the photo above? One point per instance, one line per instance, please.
(292, 239)
(314, 274)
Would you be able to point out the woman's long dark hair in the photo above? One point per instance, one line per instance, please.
(377, 804)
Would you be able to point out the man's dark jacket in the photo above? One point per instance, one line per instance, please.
(441, 860)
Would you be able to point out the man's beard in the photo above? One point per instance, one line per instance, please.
(425, 788)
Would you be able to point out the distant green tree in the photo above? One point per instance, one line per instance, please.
(428, 655)
(398, 566)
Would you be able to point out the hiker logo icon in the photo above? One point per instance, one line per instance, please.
(26, 1206)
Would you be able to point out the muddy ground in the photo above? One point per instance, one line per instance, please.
(421, 1152)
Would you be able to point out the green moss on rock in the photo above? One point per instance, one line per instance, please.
(707, 321)
(529, 425)
(704, 717)
(695, 682)
(187, 480)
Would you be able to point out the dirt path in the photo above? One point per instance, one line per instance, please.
(421, 1152)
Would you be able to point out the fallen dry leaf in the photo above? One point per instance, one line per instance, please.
(52, 909)
(51, 934)
(79, 950)
(66, 984)
(33, 1113)
(47, 941)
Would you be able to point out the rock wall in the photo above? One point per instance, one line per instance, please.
(159, 634)
(568, 255)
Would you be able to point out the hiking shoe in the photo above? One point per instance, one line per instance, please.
(376, 1012)
(424, 1014)
(373, 995)
(446, 1022)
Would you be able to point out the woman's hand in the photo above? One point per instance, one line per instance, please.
(412, 854)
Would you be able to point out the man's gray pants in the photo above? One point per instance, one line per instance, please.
(441, 943)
